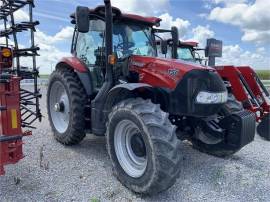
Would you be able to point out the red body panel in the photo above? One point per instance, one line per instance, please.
(193, 44)
(10, 123)
(126, 16)
(150, 20)
(162, 72)
(75, 63)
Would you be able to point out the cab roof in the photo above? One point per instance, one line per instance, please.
(189, 43)
(118, 15)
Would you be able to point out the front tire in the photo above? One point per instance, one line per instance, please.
(65, 104)
(148, 159)
(221, 149)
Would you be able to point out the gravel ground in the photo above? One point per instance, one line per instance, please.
(53, 172)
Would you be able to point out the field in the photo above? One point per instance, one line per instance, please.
(263, 74)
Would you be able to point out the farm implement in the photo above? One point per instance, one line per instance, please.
(19, 107)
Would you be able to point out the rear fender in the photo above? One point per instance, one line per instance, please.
(75, 63)
(81, 71)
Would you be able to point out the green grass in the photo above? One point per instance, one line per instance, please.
(44, 76)
(263, 74)
(94, 200)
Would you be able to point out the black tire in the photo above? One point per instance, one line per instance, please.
(77, 99)
(162, 146)
(220, 149)
(232, 106)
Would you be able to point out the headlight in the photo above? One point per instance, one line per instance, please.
(211, 97)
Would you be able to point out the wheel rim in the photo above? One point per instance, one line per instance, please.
(59, 107)
(130, 148)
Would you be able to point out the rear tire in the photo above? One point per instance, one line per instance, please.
(221, 149)
(159, 164)
(73, 132)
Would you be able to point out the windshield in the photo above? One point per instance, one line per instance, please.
(132, 39)
(185, 54)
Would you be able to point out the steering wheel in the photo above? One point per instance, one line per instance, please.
(121, 45)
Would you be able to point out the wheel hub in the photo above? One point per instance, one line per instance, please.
(130, 148)
(59, 107)
(138, 146)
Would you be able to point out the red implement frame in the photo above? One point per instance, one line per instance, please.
(10, 122)
(249, 90)
(245, 87)
(19, 106)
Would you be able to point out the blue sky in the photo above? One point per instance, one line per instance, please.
(243, 25)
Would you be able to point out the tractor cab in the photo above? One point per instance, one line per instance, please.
(132, 35)
(186, 50)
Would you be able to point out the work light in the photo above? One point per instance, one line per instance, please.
(212, 97)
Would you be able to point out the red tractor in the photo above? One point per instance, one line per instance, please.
(19, 106)
(242, 81)
(115, 85)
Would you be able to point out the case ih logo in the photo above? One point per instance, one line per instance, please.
(138, 64)
(173, 72)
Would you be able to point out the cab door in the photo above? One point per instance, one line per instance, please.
(90, 49)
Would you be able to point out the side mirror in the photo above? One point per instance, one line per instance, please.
(175, 40)
(213, 49)
(164, 47)
(82, 19)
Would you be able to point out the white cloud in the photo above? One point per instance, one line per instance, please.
(47, 60)
(235, 55)
(201, 34)
(168, 21)
(64, 34)
(144, 7)
(21, 15)
(256, 36)
(253, 19)
(228, 2)
(49, 53)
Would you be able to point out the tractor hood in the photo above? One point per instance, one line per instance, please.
(163, 72)
(183, 82)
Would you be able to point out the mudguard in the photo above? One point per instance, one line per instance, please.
(81, 70)
(118, 92)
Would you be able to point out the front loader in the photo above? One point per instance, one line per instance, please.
(19, 105)
(116, 86)
(243, 84)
